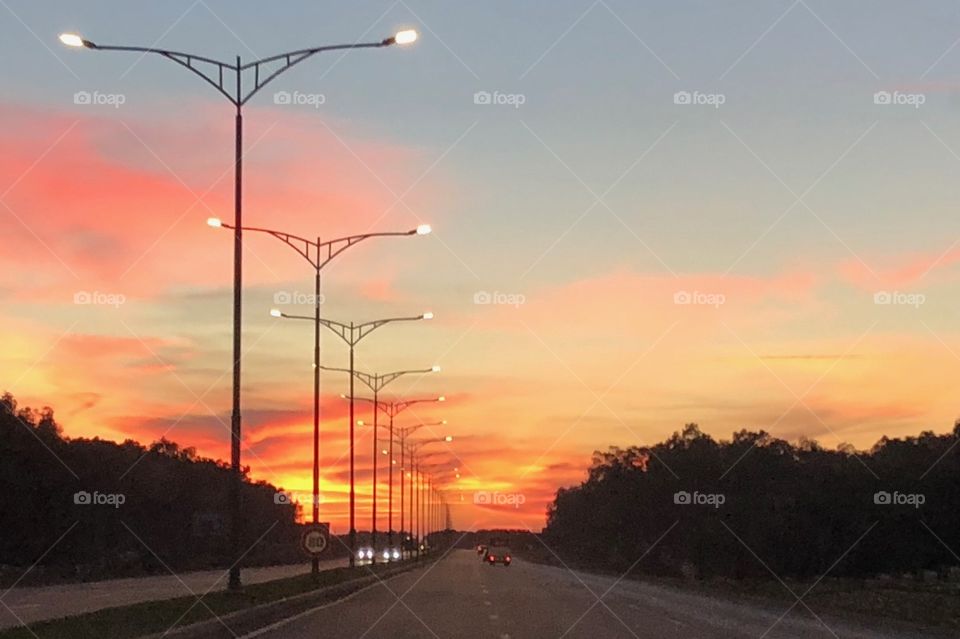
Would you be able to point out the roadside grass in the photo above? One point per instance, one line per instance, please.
(137, 620)
(934, 606)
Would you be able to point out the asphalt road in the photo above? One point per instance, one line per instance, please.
(460, 597)
(46, 602)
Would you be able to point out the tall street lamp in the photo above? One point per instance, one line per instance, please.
(375, 382)
(218, 75)
(351, 334)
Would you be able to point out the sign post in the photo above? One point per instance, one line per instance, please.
(315, 538)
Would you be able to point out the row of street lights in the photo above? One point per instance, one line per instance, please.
(351, 334)
(429, 499)
(392, 409)
(392, 462)
(227, 78)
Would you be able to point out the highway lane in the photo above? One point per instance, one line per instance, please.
(49, 602)
(461, 597)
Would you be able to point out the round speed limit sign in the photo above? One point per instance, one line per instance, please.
(315, 539)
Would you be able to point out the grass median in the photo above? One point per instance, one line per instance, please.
(149, 617)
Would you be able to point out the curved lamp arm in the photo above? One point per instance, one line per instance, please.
(214, 76)
(376, 382)
(322, 252)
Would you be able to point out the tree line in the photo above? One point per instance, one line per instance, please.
(758, 506)
(89, 508)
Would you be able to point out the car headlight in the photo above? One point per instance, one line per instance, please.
(396, 554)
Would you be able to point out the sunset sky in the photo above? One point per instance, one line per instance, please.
(586, 201)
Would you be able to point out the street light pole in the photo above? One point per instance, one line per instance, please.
(212, 71)
(390, 491)
(236, 529)
(315, 495)
(417, 506)
(353, 485)
(413, 479)
(373, 499)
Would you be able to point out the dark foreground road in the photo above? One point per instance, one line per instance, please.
(460, 597)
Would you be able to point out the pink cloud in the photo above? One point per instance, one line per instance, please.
(120, 205)
(901, 271)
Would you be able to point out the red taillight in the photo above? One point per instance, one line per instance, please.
(492, 558)
(507, 558)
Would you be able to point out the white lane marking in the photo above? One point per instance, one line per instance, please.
(487, 603)
(494, 617)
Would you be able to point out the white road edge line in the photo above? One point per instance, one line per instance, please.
(300, 615)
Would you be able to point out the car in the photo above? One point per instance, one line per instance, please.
(497, 555)
(365, 553)
(390, 554)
